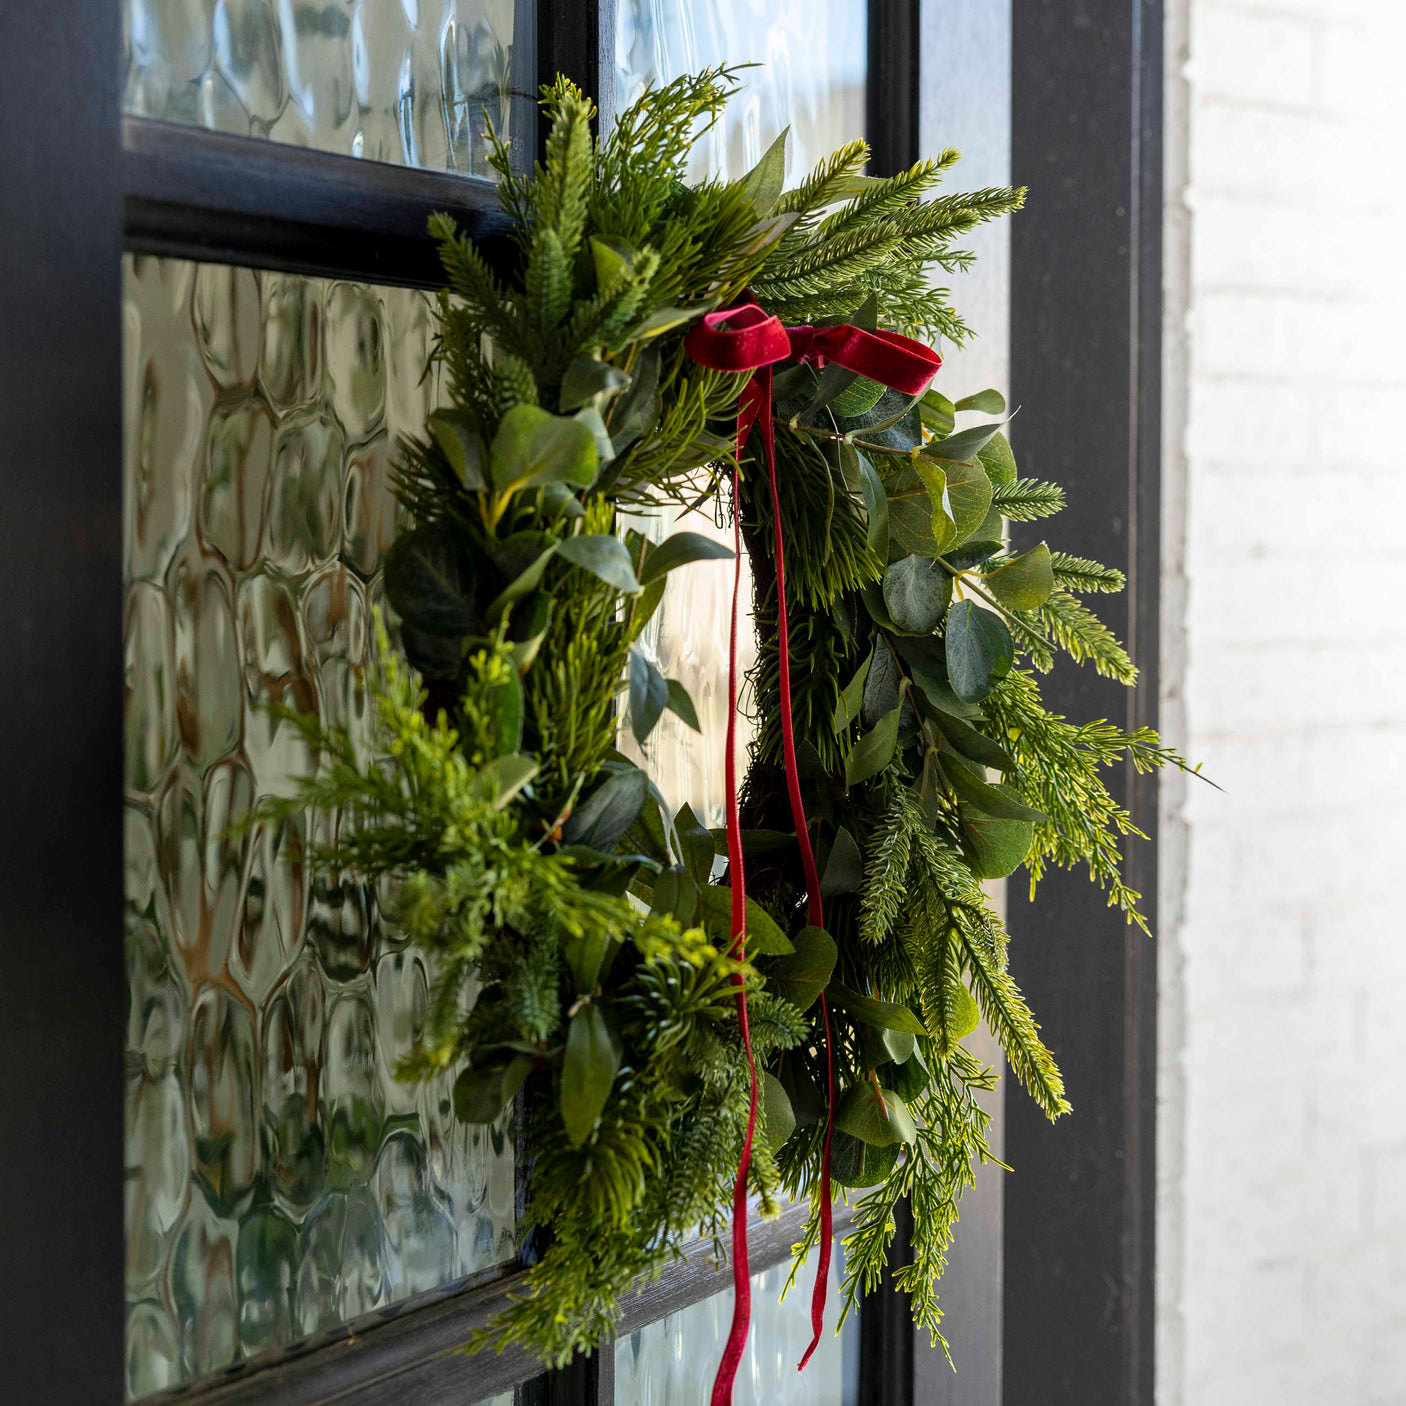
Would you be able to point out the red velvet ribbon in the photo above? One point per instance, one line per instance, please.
(746, 338)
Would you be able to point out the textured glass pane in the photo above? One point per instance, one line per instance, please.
(813, 54)
(672, 1361)
(813, 80)
(279, 1179)
(405, 81)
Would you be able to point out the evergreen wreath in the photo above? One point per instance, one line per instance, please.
(585, 974)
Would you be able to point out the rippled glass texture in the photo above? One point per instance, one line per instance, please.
(404, 81)
(279, 1180)
(813, 57)
(672, 1361)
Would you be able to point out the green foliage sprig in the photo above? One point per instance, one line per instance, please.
(583, 979)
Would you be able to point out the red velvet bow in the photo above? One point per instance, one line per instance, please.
(746, 338)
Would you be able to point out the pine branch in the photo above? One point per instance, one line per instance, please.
(1025, 499)
(1079, 574)
(1082, 635)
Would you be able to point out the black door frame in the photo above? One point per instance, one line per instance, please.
(81, 184)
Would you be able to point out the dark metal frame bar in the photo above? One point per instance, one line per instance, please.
(1086, 367)
(891, 100)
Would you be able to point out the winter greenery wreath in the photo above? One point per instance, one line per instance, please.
(587, 973)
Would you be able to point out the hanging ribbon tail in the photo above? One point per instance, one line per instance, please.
(741, 1276)
(745, 338)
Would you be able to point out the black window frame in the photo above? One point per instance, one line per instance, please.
(82, 184)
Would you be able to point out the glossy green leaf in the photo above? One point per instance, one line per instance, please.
(533, 447)
(898, 1044)
(605, 449)
(764, 938)
(522, 585)
(503, 709)
(876, 1116)
(874, 751)
(883, 1014)
(604, 556)
(666, 318)
(882, 688)
(860, 395)
(462, 444)
(876, 503)
(695, 843)
(1001, 802)
(778, 1119)
(844, 867)
(986, 402)
(763, 183)
(614, 262)
(801, 977)
(917, 592)
(907, 1080)
(530, 625)
(649, 694)
(979, 650)
(679, 549)
(680, 703)
(586, 378)
(851, 697)
(433, 582)
(972, 553)
(588, 1071)
(608, 811)
(1024, 582)
(941, 524)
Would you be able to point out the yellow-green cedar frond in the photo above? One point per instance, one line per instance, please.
(547, 282)
(563, 183)
(1082, 635)
(1080, 574)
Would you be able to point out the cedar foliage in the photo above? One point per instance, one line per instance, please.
(534, 861)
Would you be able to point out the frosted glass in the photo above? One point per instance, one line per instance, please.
(672, 1361)
(404, 81)
(279, 1180)
(814, 64)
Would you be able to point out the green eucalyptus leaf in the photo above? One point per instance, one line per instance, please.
(614, 262)
(504, 706)
(608, 811)
(504, 777)
(899, 1044)
(587, 1071)
(972, 553)
(605, 450)
(646, 603)
(432, 656)
(917, 592)
(481, 1094)
(808, 1101)
(894, 421)
(844, 868)
(876, 503)
(998, 461)
(675, 894)
(928, 789)
(679, 549)
(1002, 803)
(876, 1116)
(801, 977)
(586, 959)
(1024, 582)
(586, 378)
(764, 938)
(885, 1015)
(560, 500)
(756, 843)
(860, 395)
(907, 1080)
(979, 650)
(987, 402)
(604, 556)
(433, 582)
(638, 408)
(533, 448)
(882, 687)
(695, 844)
(938, 413)
(522, 585)
(763, 183)
(769, 231)
(666, 318)
(649, 694)
(778, 1119)
(874, 751)
(968, 499)
(681, 705)
(530, 626)
(920, 516)
(963, 446)
(855, 1163)
(461, 443)
(962, 737)
(995, 848)
(847, 708)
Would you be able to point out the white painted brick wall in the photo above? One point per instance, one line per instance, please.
(1282, 1232)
